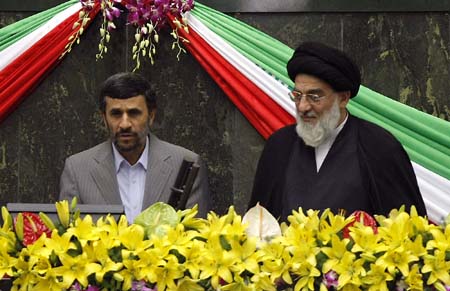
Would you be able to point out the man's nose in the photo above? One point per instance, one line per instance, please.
(125, 122)
(303, 105)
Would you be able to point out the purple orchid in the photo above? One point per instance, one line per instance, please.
(141, 12)
(87, 4)
(401, 285)
(148, 16)
(75, 287)
(330, 279)
(141, 286)
(92, 288)
(112, 13)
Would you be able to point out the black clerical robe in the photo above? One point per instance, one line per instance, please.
(365, 169)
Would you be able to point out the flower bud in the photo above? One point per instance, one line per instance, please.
(85, 21)
(46, 220)
(137, 37)
(6, 216)
(111, 26)
(19, 226)
(177, 23)
(150, 27)
(62, 209)
(118, 276)
(156, 37)
(102, 32)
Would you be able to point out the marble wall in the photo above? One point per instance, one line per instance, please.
(402, 55)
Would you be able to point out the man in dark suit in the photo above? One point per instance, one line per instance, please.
(329, 158)
(133, 167)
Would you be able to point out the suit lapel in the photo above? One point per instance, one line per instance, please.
(104, 174)
(158, 173)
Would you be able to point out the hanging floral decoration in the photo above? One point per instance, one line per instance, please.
(147, 16)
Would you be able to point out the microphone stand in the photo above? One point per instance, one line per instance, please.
(183, 185)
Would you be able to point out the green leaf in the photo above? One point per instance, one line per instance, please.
(224, 243)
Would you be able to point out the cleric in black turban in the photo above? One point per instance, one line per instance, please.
(331, 159)
(326, 63)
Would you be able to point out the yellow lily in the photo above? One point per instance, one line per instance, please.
(377, 278)
(350, 270)
(414, 279)
(397, 259)
(76, 268)
(438, 266)
(335, 253)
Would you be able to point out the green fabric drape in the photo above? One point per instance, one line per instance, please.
(15, 31)
(425, 137)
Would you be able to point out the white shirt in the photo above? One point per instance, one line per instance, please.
(323, 149)
(131, 179)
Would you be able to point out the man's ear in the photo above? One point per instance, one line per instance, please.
(344, 98)
(151, 117)
(103, 115)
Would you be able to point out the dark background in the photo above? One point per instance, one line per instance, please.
(402, 48)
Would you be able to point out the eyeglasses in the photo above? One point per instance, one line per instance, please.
(297, 96)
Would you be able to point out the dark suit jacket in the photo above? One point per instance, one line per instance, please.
(91, 177)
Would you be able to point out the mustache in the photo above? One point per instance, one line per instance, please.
(125, 131)
(307, 114)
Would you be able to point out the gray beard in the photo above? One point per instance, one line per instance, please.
(315, 134)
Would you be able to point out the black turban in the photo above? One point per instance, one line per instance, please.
(326, 63)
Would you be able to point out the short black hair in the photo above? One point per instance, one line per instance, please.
(126, 85)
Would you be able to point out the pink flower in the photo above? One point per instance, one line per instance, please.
(330, 279)
(75, 287)
(141, 286)
(112, 13)
(92, 288)
(88, 4)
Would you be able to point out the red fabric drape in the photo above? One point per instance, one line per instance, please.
(262, 112)
(20, 77)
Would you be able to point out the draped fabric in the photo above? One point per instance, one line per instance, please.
(30, 49)
(250, 67)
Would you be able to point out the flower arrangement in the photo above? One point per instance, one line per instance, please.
(174, 250)
(148, 17)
